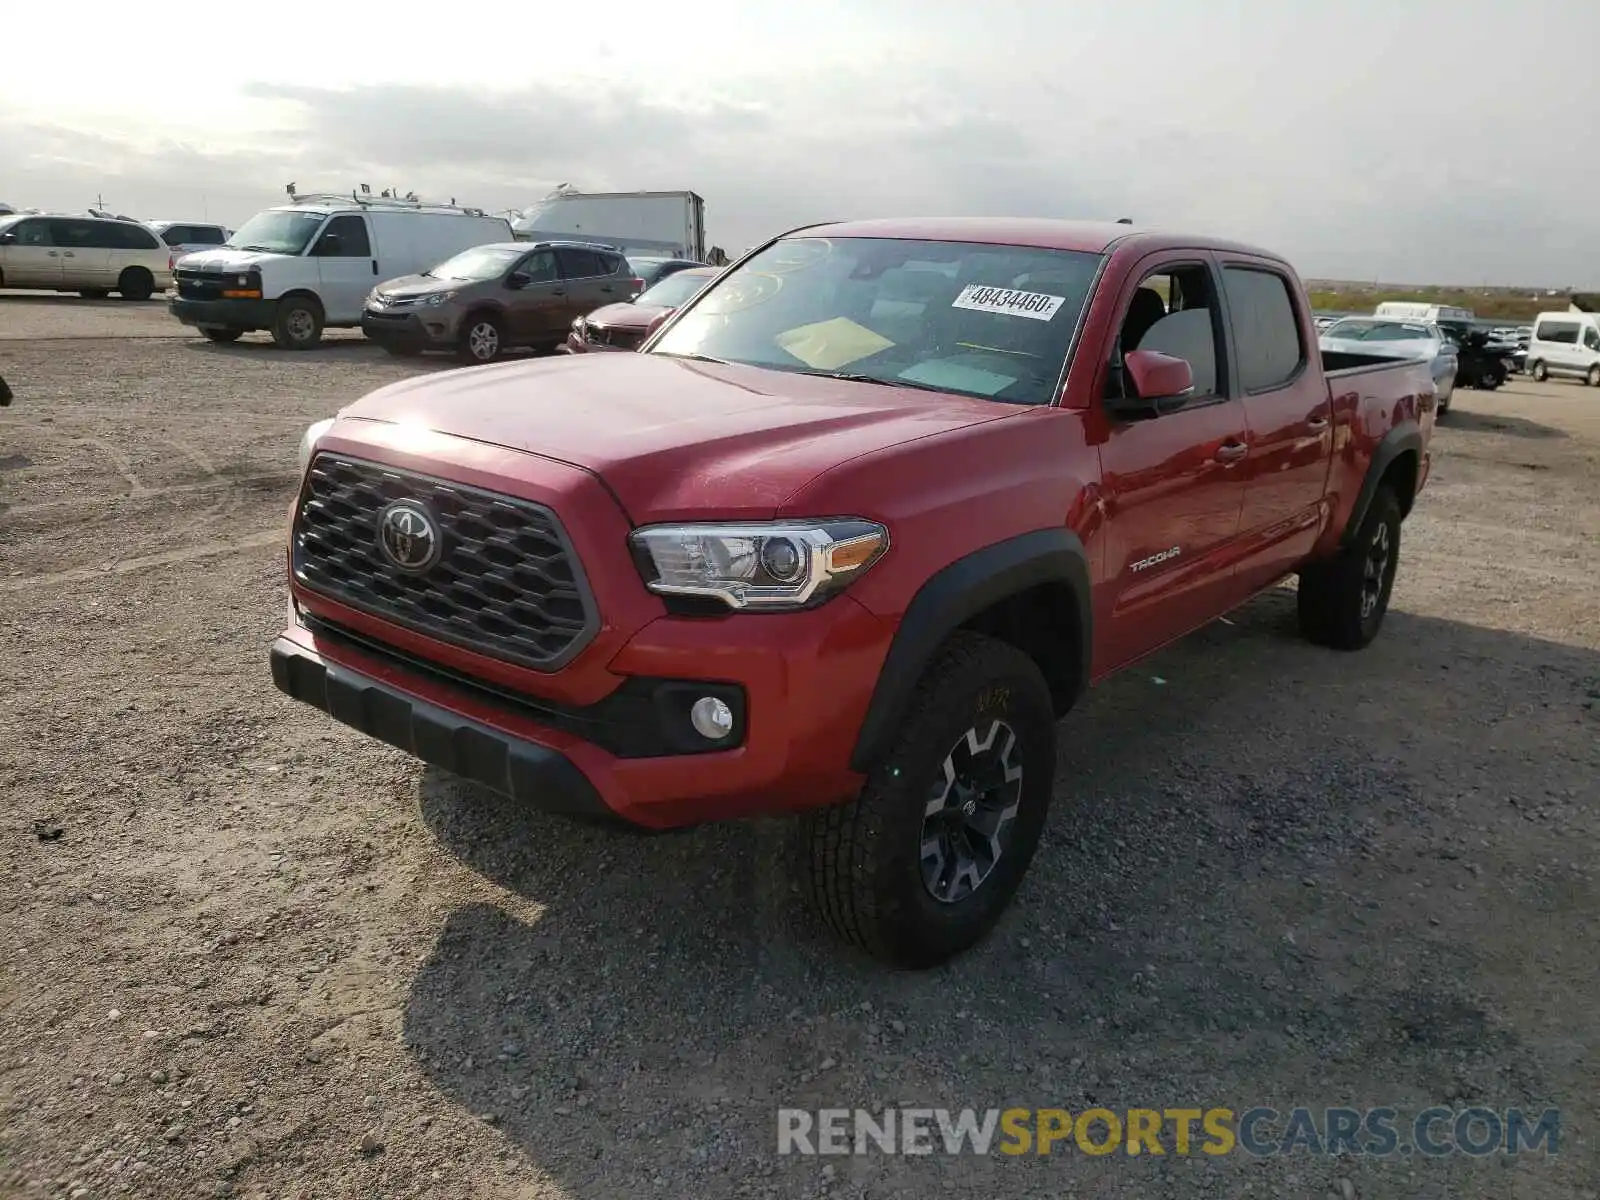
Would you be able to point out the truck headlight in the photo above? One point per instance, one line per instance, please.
(764, 565)
(308, 442)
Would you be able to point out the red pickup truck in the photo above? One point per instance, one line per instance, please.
(846, 538)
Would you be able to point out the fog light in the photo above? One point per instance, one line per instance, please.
(711, 718)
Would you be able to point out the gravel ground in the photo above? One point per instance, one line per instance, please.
(264, 956)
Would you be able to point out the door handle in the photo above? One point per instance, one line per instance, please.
(1317, 424)
(1231, 451)
(558, 291)
(68, 254)
(53, 253)
(374, 266)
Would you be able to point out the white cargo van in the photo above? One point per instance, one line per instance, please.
(306, 266)
(1417, 310)
(1566, 344)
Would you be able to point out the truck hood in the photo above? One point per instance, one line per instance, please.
(225, 259)
(673, 438)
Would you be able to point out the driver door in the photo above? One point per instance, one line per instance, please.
(536, 310)
(346, 268)
(1174, 483)
(33, 259)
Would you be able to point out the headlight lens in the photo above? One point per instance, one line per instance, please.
(766, 565)
(308, 442)
(438, 298)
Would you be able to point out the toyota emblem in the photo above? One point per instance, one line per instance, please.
(408, 536)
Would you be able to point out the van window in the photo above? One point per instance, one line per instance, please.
(119, 235)
(351, 232)
(1591, 337)
(33, 233)
(1265, 327)
(1563, 332)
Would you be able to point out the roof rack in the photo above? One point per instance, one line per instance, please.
(365, 199)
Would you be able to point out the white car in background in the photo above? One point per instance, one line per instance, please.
(185, 237)
(1397, 339)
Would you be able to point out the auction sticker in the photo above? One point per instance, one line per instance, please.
(1036, 306)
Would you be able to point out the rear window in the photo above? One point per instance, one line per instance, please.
(975, 319)
(1265, 328)
(1565, 332)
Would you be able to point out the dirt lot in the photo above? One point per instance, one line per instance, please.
(266, 957)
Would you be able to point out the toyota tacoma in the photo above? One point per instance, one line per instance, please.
(846, 538)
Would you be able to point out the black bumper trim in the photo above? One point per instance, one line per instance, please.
(537, 775)
(225, 314)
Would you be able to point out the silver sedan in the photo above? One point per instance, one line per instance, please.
(1397, 339)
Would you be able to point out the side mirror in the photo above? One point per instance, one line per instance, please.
(329, 246)
(8, 238)
(518, 280)
(1160, 381)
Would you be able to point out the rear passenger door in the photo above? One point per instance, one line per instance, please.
(346, 268)
(586, 282)
(1288, 410)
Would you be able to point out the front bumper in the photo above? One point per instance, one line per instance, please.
(799, 684)
(224, 314)
(523, 770)
(433, 328)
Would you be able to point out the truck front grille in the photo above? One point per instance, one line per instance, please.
(504, 580)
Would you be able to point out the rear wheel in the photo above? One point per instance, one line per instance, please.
(1593, 377)
(921, 864)
(482, 339)
(1538, 370)
(1342, 601)
(136, 283)
(297, 324)
(223, 336)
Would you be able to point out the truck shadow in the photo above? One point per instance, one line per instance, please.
(1467, 421)
(1237, 832)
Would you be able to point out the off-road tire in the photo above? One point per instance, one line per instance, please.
(297, 325)
(1331, 600)
(222, 336)
(136, 283)
(482, 340)
(1538, 370)
(862, 868)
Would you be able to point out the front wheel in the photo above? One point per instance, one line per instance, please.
(1342, 601)
(1593, 377)
(1539, 371)
(921, 864)
(482, 339)
(297, 324)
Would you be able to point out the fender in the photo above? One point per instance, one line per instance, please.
(955, 595)
(1403, 437)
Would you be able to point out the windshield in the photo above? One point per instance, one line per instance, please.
(277, 231)
(1378, 331)
(975, 319)
(477, 264)
(674, 289)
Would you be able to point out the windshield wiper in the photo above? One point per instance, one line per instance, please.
(851, 377)
(706, 358)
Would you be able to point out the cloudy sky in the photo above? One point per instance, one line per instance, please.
(1413, 140)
